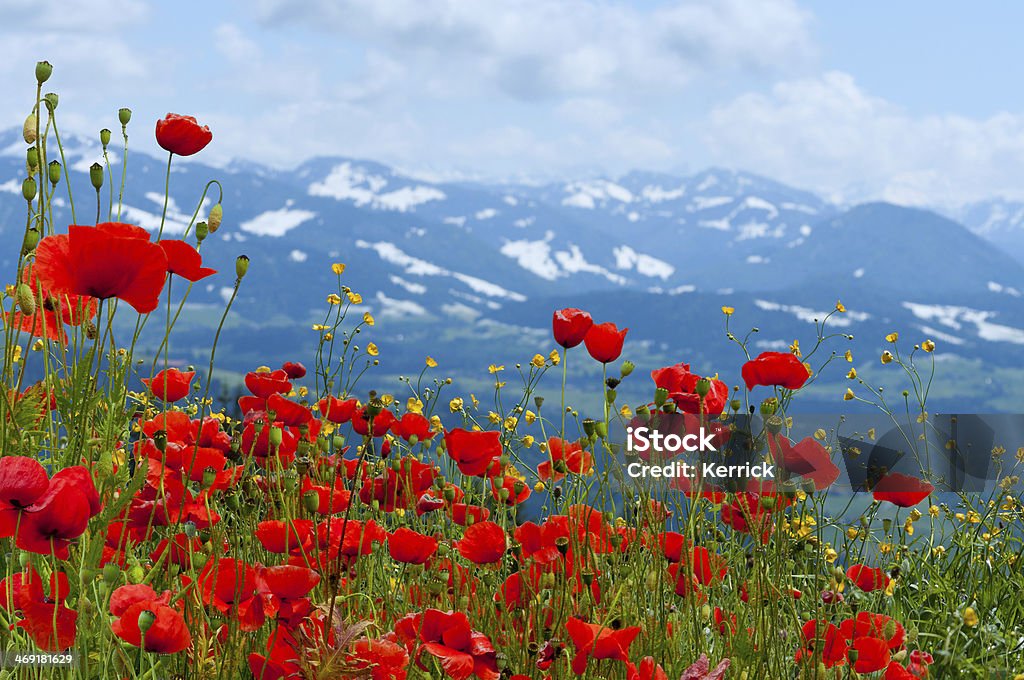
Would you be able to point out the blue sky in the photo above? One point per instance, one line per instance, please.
(912, 102)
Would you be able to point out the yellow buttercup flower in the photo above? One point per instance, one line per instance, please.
(795, 348)
(372, 350)
(455, 405)
(555, 358)
(414, 405)
(492, 369)
(892, 337)
(852, 374)
(887, 357)
(538, 360)
(528, 440)
(849, 357)
(928, 346)
(849, 395)
(431, 362)
(334, 299)
(728, 311)
(971, 617)
(493, 417)
(338, 268)
(368, 319)
(840, 307)
(355, 298)
(530, 417)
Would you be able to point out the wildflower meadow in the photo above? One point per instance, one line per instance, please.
(331, 525)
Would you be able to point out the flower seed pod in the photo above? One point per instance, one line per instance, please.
(32, 159)
(51, 100)
(202, 231)
(96, 176)
(146, 621)
(53, 171)
(43, 71)
(26, 301)
(104, 137)
(28, 131)
(241, 266)
(311, 501)
(28, 189)
(124, 115)
(215, 218)
(31, 240)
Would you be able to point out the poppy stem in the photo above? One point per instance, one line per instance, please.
(167, 195)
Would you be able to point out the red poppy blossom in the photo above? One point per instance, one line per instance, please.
(681, 385)
(184, 260)
(570, 326)
(338, 411)
(475, 453)
(604, 341)
(294, 370)
(413, 425)
(901, 490)
(483, 543)
(808, 459)
(594, 641)
(516, 490)
(50, 624)
(170, 384)
(868, 578)
(182, 135)
(262, 384)
(23, 481)
(775, 369)
(382, 659)
(872, 655)
(54, 311)
(565, 457)
(448, 637)
(167, 634)
(110, 260)
(823, 641)
(410, 547)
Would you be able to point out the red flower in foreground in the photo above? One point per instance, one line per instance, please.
(184, 260)
(170, 384)
(565, 457)
(808, 459)
(475, 453)
(775, 369)
(594, 641)
(570, 326)
(902, 490)
(22, 482)
(604, 342)
(409, 547)
(294, 370)
(53, 312)
(483, 543)
(167, 632)
(681, 386)
(50, 624)
(182, 135)
(110, 260)
(867, 578)
(447, 636)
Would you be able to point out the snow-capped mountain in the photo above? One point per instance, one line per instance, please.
(658, 252)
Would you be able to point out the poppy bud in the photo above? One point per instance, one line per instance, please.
(146, 620)
(852, 654)
(28, 189)
(276, 436)
(96, 176)
(202, 231)
(32, 159)
(769, 406)
(735, 404)
(702, 387)
(31, 240)
(311, 501)
(588, 426)
(110, 572)
(189, 528)
(43, 71)
(602, 429)
(53, 170)
(643, 413)
(136, 574)
(124, 115)
(160, 440)
(767, 503)
(773, 424)
(28, 131)
(26, 301)
(104, 137)
(660, 396)
(215, 218)
(449, 494)
(627, 368)
(24, 559)
(241, 266)
(51, 100)
(234, 502)
(338, 441)
(209, 477)
(609, 396)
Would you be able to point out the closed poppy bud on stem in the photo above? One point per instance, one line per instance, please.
(28, 189)
(241, 266)
(111, 572)
(215, 218)
(124, 115)
(53, 171)
(43, 71)
(26, 301)
(660, 396)
(702, 387)
(146, 620)
(31, 240)
(96, 175)
(28, 131)
(104, 137)
(202, 231)
(627, 368)
(51, 99)
(311, 501)
(276, 436)
(32, 159)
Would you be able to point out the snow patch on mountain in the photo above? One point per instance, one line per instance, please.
(956, 317)
(657, 194)
(347, 182)
(276, 222)
(533, 256)
(628, 259)
(587, 194)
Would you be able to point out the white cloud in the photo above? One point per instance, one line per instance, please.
(234, 45)
(827, 133)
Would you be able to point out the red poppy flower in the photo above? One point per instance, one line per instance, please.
(50, 624)
(594, 641)
(288, 412)
(410, 547)
(564, 457)
(182, 135)
(649, 669)
(475, 453)
(23, 481)
(701, 669)
(332, 499)
(604, 341)
(868, 578)
(515, 490)
(381, 423)
(294, 370)
(283, 590)
(902, 490)
(869, 624)
(57, 517)
(570, 326)
(413, 425)
(262, 384)
(53, 313)
(808, 459)
(894, 671)
(184, 260)
(106, 261)
(170, 384)
(229, 585)
(167, 633)
(775, 369)
(681, 386)
(338, 411)
(448, 637)
(872, 655)
(823, 641)
(279, 536)
(463, 514)
(483, 543)
(382, 659)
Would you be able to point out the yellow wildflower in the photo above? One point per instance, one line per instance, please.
(492, 369)
(414, 405)
(538, 360)
(555, 358)
(892, 337)
(970, 617)
(887, 357)
(849, 357)
(849, 395)
(334, 299)
(928, 346)
(372, 350)
(431, 362)
(840, 307)
(355, 298)
(338, 268)
(368, 319)
(728, 311)
(530, 417)
(455, 405)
